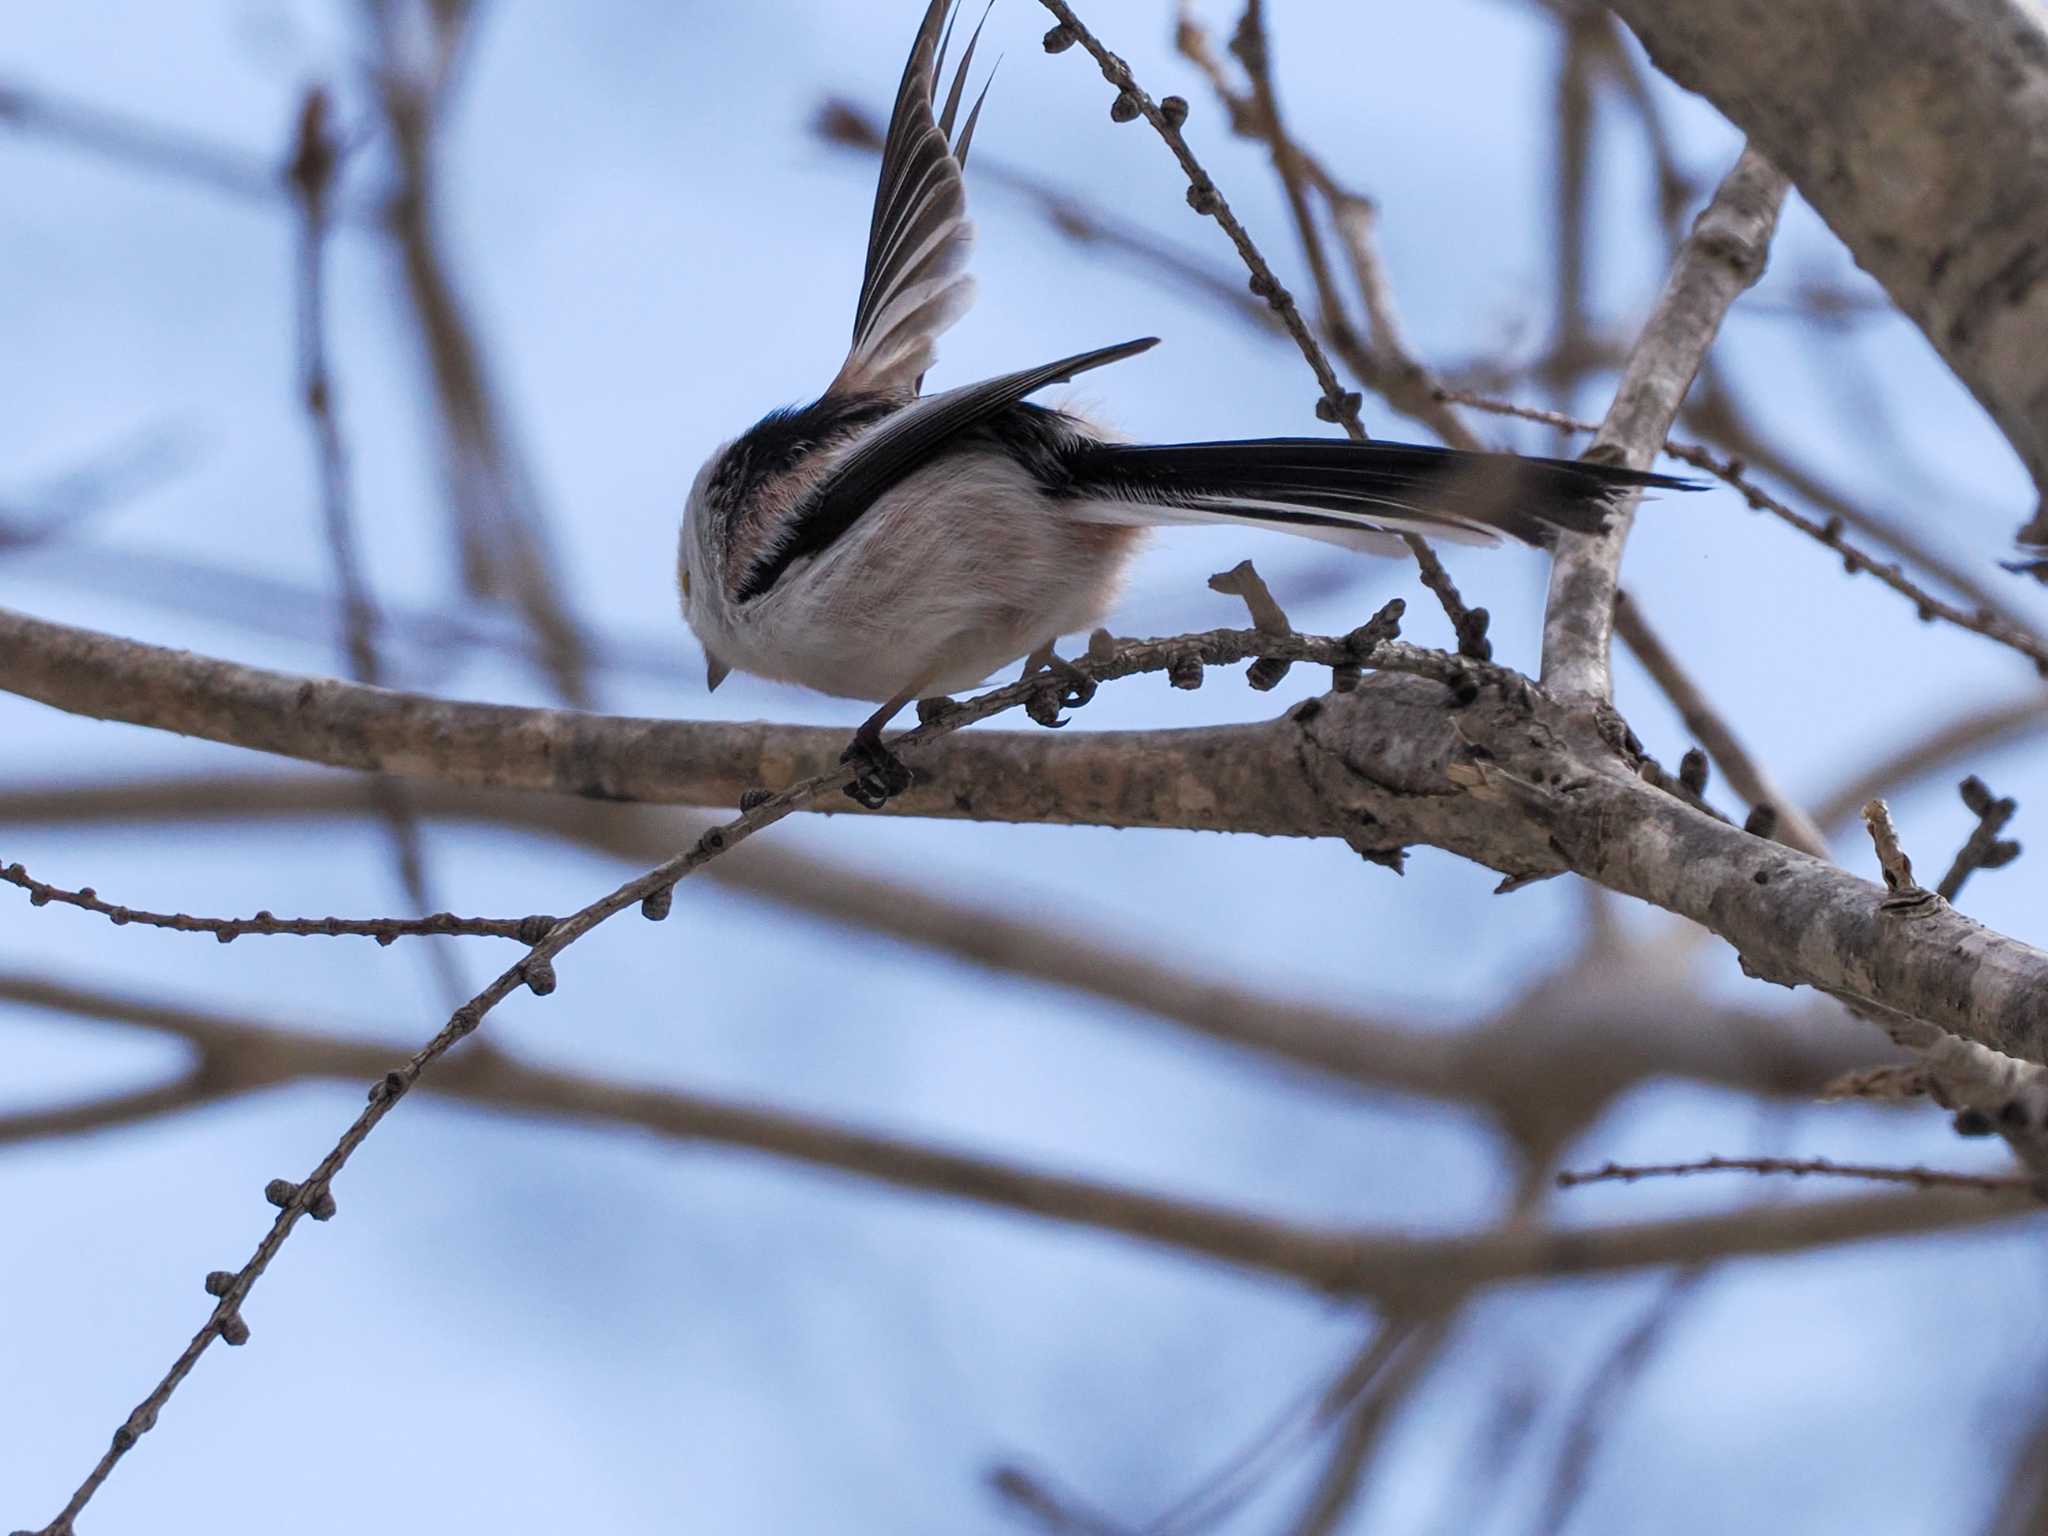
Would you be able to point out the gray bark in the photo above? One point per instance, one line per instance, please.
(1918, 129)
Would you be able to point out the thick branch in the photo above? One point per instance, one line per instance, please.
(1218, 779)
(1487, 768)
(1919, 130)
(1600, 1047)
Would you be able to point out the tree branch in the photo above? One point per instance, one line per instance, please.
(1599, 1048)
(1465, 757)
(1918, 129)
(1395, 1268)
(1337, 403)
(1722, 256)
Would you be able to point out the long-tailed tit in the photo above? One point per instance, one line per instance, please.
(884, 544)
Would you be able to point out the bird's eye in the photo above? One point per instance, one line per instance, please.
(686, 582)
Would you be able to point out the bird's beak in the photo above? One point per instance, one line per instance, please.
(714, 672)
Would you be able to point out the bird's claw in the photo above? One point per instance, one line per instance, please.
(1065, 687)
(879, 775)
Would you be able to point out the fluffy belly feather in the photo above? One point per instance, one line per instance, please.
(902, 604)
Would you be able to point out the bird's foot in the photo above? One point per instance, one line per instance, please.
(1066, 687)
(879, 775)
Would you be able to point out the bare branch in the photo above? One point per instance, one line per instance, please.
(1982, 621)
(501, 524)
(1609, 1385)
(1985, 849)
(1350, 1262)
(1891, 857)
(1447, 757)
(1722, 256)
(1602, 1044)
(1915, 130)
(845, 123)
(527, 930)
(144, 146)
(313, 172)
(990, 777)
(1337, 403)
(1799, 1167)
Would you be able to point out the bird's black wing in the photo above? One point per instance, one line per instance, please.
(916, 283)
(905, 441)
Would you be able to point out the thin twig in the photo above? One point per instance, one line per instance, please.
(501, 524)
(844, 123)
(59, 508)
(1891, 854)
(1714, 412)
(527, 930)
(145, 146)
(1595, 1409)
(1250, 46)
(1732, 473)
(312, 173)
(1415, 1349)
(1299, 1420)
(1984, 849)
(536, 972)
(1819, 1167)
(1337, 404)
(1387, 366)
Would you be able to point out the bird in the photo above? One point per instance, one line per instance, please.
(889, 545)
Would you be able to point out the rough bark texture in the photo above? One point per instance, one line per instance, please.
(1919, 130)
(1498, 772)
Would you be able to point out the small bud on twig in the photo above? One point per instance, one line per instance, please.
(1266, 673)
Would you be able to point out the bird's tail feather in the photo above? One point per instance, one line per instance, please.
(1362, 494)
